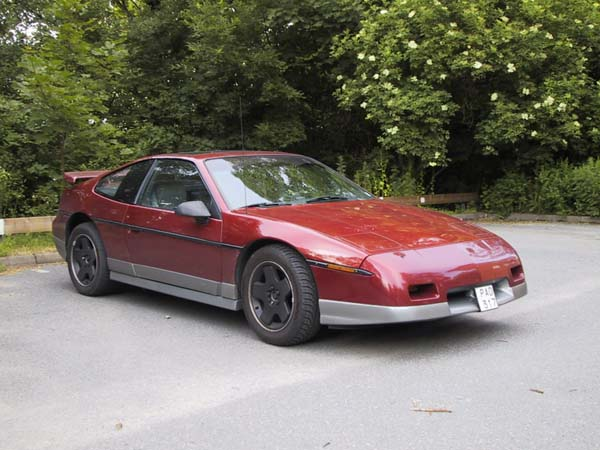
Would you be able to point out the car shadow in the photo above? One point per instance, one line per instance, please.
(416, 339)
(421, 339)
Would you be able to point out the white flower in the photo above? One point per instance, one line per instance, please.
(453, 25)
(392, 130)
(429, 62)
(437, 155)
(525, 116)
(444, 107)
(411, 14)
(591, 26)
(466, 53)
(383, 11)
(361, 56)
(363, 105)
(91, 121)
(432, 164)
(371, 58)
(525, 91)
(510, 67)
(537, 105)
(385, 72)
(549, 36)
(534, 133)
(477, 65)
(494, 96)
(576, 123)
(105, 120)
(562, 107)
(412, 44)
(443, 76)
(339, 77)
(549, 101)
(414, 79)
(376, 76)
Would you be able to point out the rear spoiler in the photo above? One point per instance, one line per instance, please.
(74, 177)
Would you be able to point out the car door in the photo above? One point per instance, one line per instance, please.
(173, 249)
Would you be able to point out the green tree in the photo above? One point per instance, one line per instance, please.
(491, 84)
(57, 114)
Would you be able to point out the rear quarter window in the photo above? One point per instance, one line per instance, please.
(124, 184)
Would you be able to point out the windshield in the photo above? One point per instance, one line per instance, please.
(279, 179)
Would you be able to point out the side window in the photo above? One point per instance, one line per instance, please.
(173, 182)
(124, 184)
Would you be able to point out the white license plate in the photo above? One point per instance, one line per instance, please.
(486, 298)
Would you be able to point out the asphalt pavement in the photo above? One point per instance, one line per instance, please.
(139, 370)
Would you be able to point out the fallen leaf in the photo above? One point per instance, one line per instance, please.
(119, 426)
(432, 410)
(537, 391)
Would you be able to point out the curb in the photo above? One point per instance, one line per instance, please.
(25, 260)
(526, 217)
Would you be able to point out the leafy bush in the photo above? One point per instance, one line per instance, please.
(552, 186)
(585, 188)
(383, 177)
(560, 189)
(507, 195)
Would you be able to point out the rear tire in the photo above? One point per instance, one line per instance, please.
(280, 297)
(86, 260)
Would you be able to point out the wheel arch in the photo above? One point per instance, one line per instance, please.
(249, 250)
(76, 219)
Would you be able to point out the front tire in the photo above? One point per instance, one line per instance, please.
(280, 297)
(86, 259)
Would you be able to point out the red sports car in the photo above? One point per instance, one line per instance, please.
(281, 236)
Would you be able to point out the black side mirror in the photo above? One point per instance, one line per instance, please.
(196, 209)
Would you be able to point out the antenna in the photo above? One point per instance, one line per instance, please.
(241, 121)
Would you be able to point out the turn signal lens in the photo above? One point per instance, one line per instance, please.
(341, 268)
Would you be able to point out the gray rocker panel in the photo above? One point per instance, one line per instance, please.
(201, 297)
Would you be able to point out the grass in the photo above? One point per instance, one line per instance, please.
(26, 244)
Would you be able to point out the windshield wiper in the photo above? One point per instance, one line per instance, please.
(267, 204)
(326, 198)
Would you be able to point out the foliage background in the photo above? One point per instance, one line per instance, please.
(405, 96)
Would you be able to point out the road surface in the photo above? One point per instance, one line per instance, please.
(139, 370)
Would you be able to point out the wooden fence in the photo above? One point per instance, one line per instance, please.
(25, 225)
(42, 224)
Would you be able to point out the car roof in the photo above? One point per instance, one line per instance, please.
(221, 154)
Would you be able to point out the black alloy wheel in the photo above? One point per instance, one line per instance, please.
(279, 296)
(84, 260)
(87, 262)
(272, 296)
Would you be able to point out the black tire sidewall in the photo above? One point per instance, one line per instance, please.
(101, 282)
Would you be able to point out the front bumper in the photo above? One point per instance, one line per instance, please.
(338, 313)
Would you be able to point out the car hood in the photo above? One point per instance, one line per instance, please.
(376, 226)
